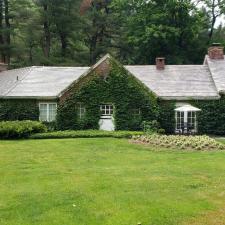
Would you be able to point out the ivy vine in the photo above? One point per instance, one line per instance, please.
(119, 88)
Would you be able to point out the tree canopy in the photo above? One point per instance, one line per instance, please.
(79, 32)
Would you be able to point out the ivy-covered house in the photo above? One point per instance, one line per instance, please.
(109, 96)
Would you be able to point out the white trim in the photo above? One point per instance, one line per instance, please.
(106, 110)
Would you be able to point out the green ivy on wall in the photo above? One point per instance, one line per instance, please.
(211, 119)
(167, 116)
(16, 109)
(119, 88)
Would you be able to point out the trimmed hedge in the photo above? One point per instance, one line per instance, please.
(20, 129)
(86, 134)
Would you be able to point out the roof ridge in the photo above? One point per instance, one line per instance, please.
(169, 65)
(206, 63)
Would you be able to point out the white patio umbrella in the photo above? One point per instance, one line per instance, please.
(187, 108)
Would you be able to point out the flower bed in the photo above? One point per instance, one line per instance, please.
(180, 142)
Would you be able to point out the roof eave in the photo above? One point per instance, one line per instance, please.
(180, 98)
(30, 97)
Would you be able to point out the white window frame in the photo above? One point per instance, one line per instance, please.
(106, 109)
(48, 110)
(81, 110)
(193, 119)
(184, 117)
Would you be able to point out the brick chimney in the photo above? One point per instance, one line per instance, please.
(216, 51)
(3, 67)
(160, 63)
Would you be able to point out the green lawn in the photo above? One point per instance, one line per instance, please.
(106, 182)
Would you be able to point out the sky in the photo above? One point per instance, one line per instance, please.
(220, 20)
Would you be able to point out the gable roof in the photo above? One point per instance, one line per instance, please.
(38, 82)
(175, 82)
(217, 69)
(178, 82)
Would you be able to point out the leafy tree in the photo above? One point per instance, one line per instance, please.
(168, 28)
(214, 9)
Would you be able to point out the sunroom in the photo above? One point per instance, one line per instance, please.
(186, 119)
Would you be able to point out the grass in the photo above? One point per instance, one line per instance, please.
(107, 182)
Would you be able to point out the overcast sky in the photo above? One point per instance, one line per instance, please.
(220, 20)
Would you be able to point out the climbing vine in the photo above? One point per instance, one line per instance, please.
(211, 119)
(118, 88)
(15, 109)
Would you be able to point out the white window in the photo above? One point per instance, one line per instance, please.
(81, 111)
(106, 110)
(47, 112)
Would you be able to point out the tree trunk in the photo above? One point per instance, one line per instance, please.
(3, 58)
(47, 33)
(64, 44)
(212, 27)
(8, 31)
(214, 17)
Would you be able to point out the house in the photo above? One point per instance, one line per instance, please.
(184, 97)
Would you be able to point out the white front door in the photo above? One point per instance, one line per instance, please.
(106, 121)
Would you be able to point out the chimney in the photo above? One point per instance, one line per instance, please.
(216, 51)
(3, 67)
(160, 63)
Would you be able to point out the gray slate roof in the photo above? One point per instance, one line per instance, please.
(178, 82)
(217, 69)
(38, 82)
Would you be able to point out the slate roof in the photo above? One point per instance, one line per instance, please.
(38, 82)
(217, 69)
(178, 82)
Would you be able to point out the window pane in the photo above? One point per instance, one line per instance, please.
(43, 108)
(106, 110)
(81, 111)
(52, 112)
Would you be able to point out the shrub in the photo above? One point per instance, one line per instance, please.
(86, 134)
(181, 142)
(20, 129)
(151, 127)
(51, 126)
